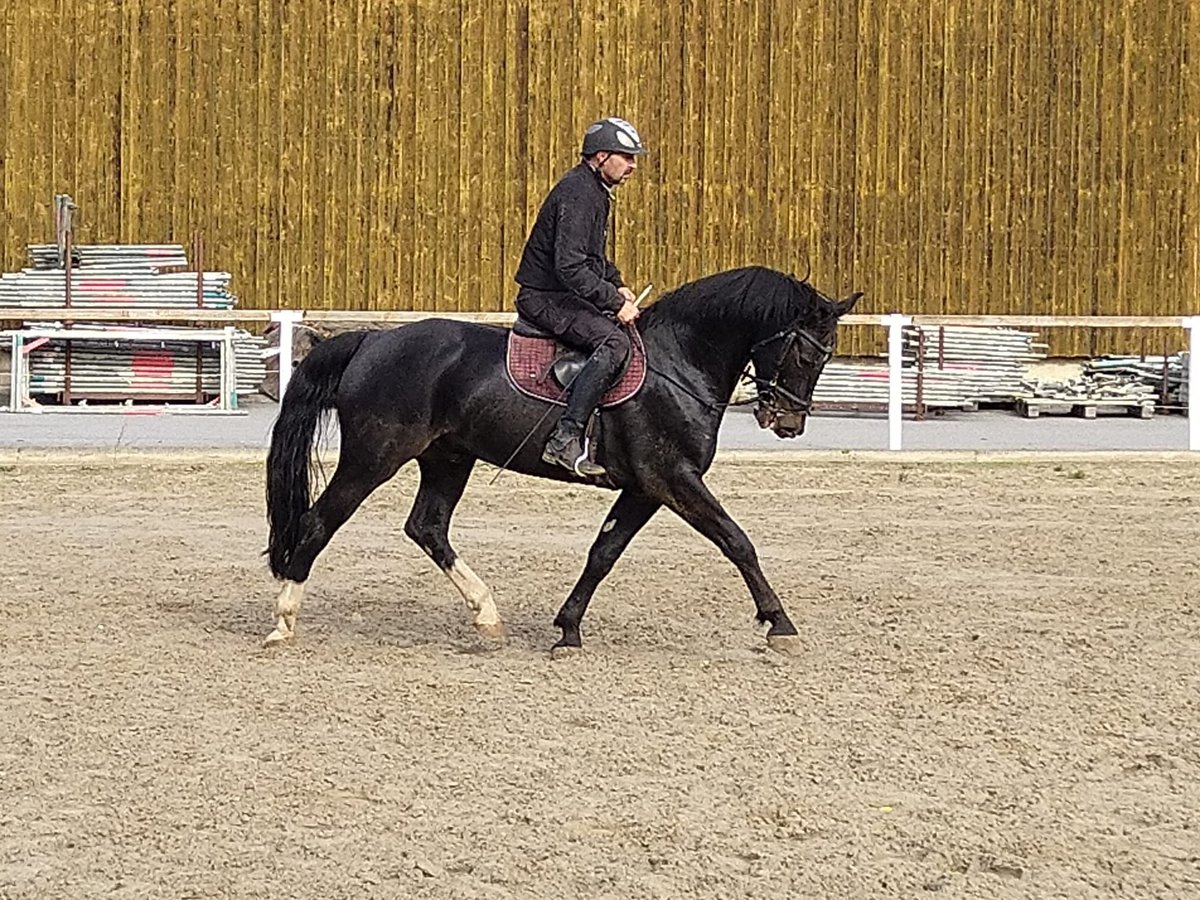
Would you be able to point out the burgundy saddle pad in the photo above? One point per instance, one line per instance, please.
(529, 361)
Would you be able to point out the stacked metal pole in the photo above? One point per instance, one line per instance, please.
(946, 367)
(145, 276)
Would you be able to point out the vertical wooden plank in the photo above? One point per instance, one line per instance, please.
(1060, 198)
(207, 113)
(495, 289)
(542, 168)
(1171, 147)
(7, 78)
(1087, 156)
(960, 60)
(761, 212)
(1110, 146)
(362, 254)
(694, 175)
(449, 292)
(405, 161)
(801, 217)
(268, 282)
(883, 164)
(931, 87)
(423, 163)
(1000, 290)
(289, 160)
(54, 65)
(14, 68)
(376, 51)
(323, 140)
(351, 209)
(734, 152)
(100, 194)
(974, 150)
(865, 78)
(175, 111)
(155, 225)
(907, 233)
(1089, 136)
(642, 252)
(516, 144)
(714, 138)
(473, 88)
(236, 251)
(46, 111)
(1190, 190)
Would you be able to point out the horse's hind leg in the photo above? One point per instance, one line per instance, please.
(443, 480)
(350, 485)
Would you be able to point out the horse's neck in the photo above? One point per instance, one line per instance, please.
(716, 356)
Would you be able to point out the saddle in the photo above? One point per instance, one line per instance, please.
(539, 366)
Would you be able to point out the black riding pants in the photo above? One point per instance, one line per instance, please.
(583, 327)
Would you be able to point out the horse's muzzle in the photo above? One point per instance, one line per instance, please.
(784, 424)
(789, 425)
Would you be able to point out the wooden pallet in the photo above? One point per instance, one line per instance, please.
(1032, 407)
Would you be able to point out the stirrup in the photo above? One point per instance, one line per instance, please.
(585, 467)
(574, 458)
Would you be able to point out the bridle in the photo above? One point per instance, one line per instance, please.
(773, 398)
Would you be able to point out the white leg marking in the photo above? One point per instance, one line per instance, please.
(477, 594)
(286, 607)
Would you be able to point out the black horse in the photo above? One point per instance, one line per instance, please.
(436, 391)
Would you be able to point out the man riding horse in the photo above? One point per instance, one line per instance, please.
(572, 290)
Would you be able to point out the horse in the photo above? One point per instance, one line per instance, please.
(437, 391)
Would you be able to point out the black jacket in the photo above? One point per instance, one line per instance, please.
(566, 246)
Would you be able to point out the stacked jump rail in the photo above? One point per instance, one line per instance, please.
(127, 361)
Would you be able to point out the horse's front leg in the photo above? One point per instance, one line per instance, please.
(624, 520)
(696, 505)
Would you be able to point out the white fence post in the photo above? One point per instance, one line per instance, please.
(16, 390)
(288, 319)
(895, 325)
(1192, 323)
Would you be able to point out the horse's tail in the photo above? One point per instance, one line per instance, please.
(310, 393)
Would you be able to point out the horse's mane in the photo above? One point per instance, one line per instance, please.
(754, 296)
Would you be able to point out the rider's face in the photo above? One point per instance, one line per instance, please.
(617, 168)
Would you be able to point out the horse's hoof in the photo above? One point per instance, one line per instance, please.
(787, 644)
(565, 651)
(278, 636)
(493, 631)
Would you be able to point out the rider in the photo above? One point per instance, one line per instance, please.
(571, 289)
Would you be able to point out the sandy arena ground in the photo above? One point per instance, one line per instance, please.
(1000, 695)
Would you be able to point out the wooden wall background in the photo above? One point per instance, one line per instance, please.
(961, 156)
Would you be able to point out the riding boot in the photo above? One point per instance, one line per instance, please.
(565, 446)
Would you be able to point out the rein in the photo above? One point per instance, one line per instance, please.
(767, 389)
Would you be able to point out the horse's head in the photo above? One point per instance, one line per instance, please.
(787, 365)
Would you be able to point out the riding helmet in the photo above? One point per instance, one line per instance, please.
(613, 135)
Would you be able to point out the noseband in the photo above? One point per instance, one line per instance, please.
(770, 391)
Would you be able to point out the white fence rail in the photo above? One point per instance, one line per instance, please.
(287, 320)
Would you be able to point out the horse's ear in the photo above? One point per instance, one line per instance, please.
(844, 306)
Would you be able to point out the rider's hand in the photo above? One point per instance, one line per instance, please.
(626, 294)
(628, 312)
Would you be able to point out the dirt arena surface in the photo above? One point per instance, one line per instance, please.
(999, 696)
